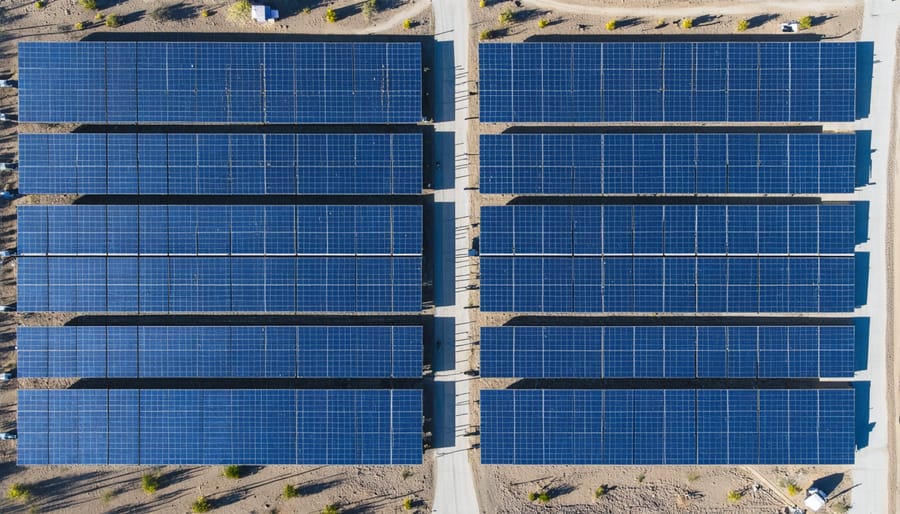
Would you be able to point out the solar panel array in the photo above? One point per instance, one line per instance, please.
(191, 82)
(220, 351)
(220, 230)
(228, 426)
(220, 164)
(671, 82)
(220, 284)
(667, 426)
(670, 164)
(667, 230)
(593, 352)
(667, 284)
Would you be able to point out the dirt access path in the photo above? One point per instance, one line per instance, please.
(689, 8)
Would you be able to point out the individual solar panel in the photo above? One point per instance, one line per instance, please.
(220, 164)
(671, 426)
(671, 82)
(666, 164)
(86, 230)
(243, 426)
(665, 352)
(223, 351)
(235, 83)
(667, 230)
(220, 284)
(639, 284)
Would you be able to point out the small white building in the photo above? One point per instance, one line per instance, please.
(263, 14)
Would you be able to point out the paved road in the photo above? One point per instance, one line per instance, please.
(454, 481)
(880, 24)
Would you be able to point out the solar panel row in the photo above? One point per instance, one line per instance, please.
(220, 164)
(220, 284)
(667, 426)
(673, 82)
(220, 230)
(673, 164)
(667, 284)
(166, 427)
(667, 352)
(220, 351)
(667, 229)
(189, 82)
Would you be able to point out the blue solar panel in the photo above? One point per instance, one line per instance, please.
(603, 427)
(668, 164)
(220, 164)
(673, 82)
(169, 82)
(220, 230)
(165, 427)
(666, 352)
(196, 351)
(220, 284)
(636, 284)
(669, 229)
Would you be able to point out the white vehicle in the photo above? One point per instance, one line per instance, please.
(7, 83)
(7, 308)
(791, 27)
(6, 377)
(8, 166)
(6, 436)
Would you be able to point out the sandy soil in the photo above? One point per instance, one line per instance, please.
(892, 364)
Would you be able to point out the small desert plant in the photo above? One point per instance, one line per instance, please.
(99, 16)
(660, 23)
(149, 483)
(201, 504)
(406, 473)
(370, 8)
(735, 496)
(40, 4)
(90, 5)
(611, 25)
(290, 492)
(640, 478)
(205, 13)
(743, 25)
(532, 496)
(543, 22)
(330, 16)
(687, 23)
(233, 472)
(307, 10)
(112, 21)
(18, 491)
(331, 509)
(507, 16)
(806, 22)
(693, 476)
(164, 13)
(78, 26)
(108, 495)
(486, 34)
(407, 24)
(841, 507)
(544, 497)
(790, 485)
(407, 504)
(240, 10)
(482, 3)
(600, 492)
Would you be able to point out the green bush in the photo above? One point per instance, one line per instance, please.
(544, 497)
(482, 3)
(611, 25)
(543, 22)
(233, 472)
(78, 26)
(18, 491)
(205, 13)
(331, 509)
(687, 23)
(641, 477)
(600, 492)
(693, 476)
(407, 23)
(330, 16)
(806, 22)
(486, 34)
(735, 496)
(532, 496)
(507, 16)
(99, 16)
(307, 10)
(407, 504)
(743, 25)
(150, 483)
(90, 5)
(370, 8)
(201, 504)
(660, 23)
(112, 21)
(40, 4)
(290, 492)
(240, 10)
(841, 507)
(108, 495)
